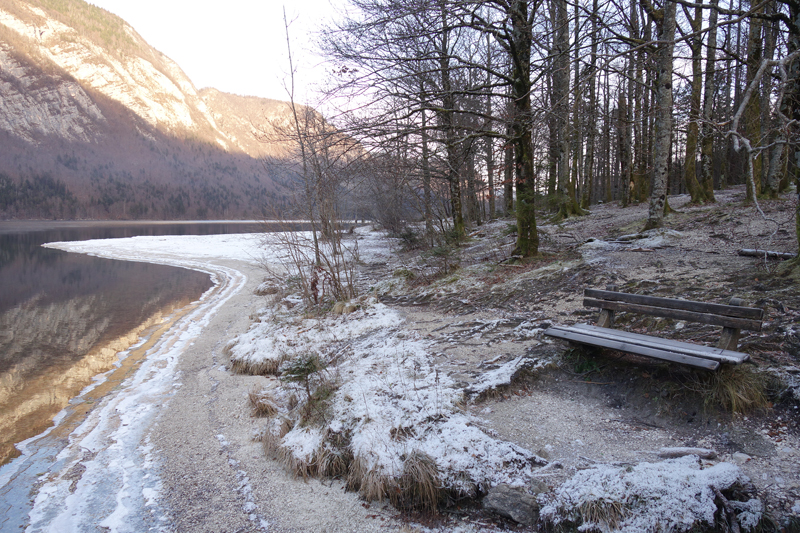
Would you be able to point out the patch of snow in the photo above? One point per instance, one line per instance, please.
(392, 403)
(503, 375)
(673, 495)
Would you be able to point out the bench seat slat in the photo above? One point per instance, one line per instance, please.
(736, 311)
(697, 350)
(677, 314)
(621, 345)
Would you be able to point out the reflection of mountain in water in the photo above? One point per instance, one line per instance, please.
(39, 385)
(64, 317)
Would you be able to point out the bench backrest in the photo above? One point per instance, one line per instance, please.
(728, 316)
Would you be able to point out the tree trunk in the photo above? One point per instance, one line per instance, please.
(448, 127)
(690, 166)
(527, 234)
(707, 142)
(624, 129)
(426, 179)
(489, 141)
(508, 174)
(790, 105)
(665, 23)
(565, 192)
(589, 192)
(641, 112)
(755, 53)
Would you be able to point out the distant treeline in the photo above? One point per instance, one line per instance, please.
(120, 197)
(41, 196)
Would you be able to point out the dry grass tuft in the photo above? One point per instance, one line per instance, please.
(333, 462)
(419, 486)
(298, 467)
(739, 389)
(370, 485)
(272, 435)
(605, 514)
(262, 403)
(267, 367)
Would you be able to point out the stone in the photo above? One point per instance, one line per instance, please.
(740, 458)
(514, 503)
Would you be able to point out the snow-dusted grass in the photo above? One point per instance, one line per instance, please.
(673, 495)
(394, 424)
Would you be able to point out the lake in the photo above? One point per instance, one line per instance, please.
(64, 317)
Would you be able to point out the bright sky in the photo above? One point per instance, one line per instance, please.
(236, 46)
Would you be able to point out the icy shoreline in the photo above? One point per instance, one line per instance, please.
(106, 469)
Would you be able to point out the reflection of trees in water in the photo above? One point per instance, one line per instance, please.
(77, 306)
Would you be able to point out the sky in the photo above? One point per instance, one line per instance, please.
(236, 46)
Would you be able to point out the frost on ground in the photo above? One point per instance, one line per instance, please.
(501, 377)
(673, 495)
(370, 406)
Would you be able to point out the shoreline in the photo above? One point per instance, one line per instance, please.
(83, 381)
(171, 448)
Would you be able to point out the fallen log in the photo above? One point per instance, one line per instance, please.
(767, 253)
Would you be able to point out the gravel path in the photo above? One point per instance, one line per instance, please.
(215, 478)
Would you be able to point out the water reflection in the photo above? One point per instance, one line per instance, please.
(64, 317)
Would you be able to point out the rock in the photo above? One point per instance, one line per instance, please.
(514, 503)
(266, 289)
(740, 458)
(344, 308)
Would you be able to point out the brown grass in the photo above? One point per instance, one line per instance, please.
(271, 438)
(298, 467)
(419, 486)
(268, 367)
(606, 514)
(333, 462)
(371, 485)
(738, 389)
(262, 403)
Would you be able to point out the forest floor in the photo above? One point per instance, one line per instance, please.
(591, 407)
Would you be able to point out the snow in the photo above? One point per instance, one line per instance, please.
(673, 495)
(503, 375)
(391, 400)
(118, 487)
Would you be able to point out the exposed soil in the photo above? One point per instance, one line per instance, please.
(592, 406)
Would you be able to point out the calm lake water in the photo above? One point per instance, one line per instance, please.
(64, 316)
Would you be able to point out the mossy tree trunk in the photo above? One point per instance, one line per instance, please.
(665, 23)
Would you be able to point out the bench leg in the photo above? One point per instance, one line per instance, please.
(730, 336)
(729, 340)
(606, 318)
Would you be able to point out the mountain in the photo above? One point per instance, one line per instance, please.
(95, 123)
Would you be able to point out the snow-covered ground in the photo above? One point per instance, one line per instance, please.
(391, 411)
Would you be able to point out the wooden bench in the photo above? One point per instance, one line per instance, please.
(733, 318)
